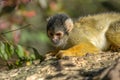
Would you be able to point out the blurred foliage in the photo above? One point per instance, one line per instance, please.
(8, 49)
(14, 14)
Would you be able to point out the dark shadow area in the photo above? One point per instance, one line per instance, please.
(55, 76)
(109, 6)
(106, 73)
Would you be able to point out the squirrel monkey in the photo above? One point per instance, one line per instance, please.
(89, 34)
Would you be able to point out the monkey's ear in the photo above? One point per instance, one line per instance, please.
(69, 24)
(48, 19)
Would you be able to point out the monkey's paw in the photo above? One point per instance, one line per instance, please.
(64, 53)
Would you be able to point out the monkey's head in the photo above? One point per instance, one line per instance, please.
(58, 28)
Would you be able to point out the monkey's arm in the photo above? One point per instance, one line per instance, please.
(79, 50)
(52, 53)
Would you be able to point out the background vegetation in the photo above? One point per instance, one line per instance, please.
(29, 16)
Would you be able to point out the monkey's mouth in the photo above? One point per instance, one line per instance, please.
(56, 42)
(59, 42)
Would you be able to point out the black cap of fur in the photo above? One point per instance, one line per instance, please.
(58, 19)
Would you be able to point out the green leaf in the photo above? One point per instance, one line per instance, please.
(6, 57)
(19, 51)
(9, 49)
(2, 51)
(32, 56)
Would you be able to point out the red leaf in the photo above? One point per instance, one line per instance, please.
(29, 13)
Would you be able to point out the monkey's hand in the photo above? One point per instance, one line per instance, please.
(51, 53)
(78, 50)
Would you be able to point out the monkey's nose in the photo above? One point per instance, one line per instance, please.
(55, 41)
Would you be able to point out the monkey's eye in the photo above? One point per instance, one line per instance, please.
(58, 34)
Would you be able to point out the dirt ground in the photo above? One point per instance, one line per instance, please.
(102, 66)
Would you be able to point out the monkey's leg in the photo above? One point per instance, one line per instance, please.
(79, 50)
(113, 36)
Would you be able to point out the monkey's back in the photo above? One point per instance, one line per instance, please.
(93, 28)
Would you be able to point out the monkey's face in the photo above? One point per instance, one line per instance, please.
(58, 38)
(58, 28)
